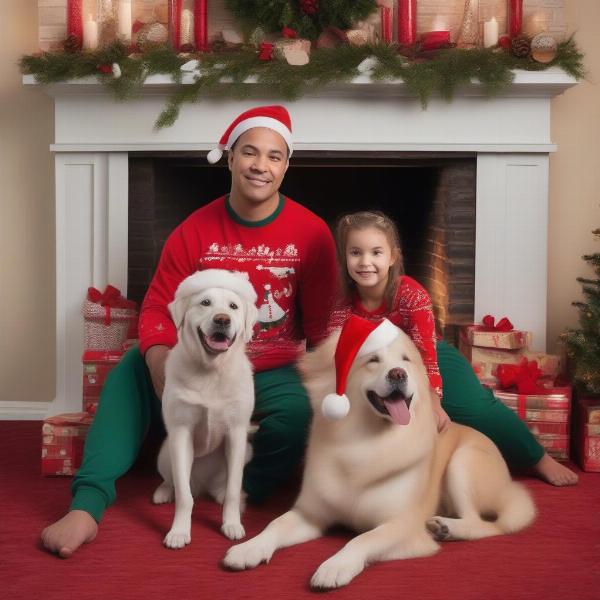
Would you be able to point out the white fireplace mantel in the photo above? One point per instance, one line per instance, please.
(510, 135)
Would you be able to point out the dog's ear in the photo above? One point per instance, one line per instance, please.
(251, 317)
(178, 308)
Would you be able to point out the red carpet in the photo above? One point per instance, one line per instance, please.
(558, 557)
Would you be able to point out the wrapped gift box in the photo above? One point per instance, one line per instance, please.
(588, 433)
(63, 437)
(97, 364)
(476, 335)
(543, 428)
(556, 446)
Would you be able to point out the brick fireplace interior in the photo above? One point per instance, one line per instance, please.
(430, 196)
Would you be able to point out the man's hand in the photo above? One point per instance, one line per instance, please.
(156, 357)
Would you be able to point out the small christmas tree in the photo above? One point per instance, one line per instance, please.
(583, 345)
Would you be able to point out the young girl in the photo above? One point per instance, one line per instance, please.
(373, 286)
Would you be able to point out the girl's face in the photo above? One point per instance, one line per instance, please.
(369, 257)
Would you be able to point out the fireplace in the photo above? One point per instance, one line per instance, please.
(431, 197)
(500, 145)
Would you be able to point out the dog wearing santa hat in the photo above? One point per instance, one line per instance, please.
(376, 463)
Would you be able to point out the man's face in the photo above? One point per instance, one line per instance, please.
(257, 163)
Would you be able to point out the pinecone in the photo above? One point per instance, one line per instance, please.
(72, 44)
(520, 46)
(309, 7)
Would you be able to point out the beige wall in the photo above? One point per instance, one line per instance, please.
(27, 200)
(27, 304)
(574, 174)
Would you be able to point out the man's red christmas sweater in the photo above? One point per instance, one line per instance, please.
(289, 257)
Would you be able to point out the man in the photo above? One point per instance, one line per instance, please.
(289, 255)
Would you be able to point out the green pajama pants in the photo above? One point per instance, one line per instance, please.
(128, 406)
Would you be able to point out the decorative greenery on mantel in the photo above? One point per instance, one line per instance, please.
(424, 75)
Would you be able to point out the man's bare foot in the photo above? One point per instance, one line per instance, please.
(553, 472)
(67, 534)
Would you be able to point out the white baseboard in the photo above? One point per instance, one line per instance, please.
(23, 411)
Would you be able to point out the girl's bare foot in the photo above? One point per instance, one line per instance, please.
(67, 534)
(553, 472)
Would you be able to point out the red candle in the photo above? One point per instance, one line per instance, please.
(386, 24)
(407, 22)
(75, 20)
(175, 16)
(200, 25)
(434, 39)
(515, 17)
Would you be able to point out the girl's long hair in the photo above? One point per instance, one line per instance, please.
(364, 220)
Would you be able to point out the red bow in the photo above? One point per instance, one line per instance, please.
(489, 324)
(266, 51)
(523, 376)
(111, 298)
(287, 32)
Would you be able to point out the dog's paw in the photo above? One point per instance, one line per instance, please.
(337, 571)
(177, 539)
(163, 493)
(438, 529)
(233, 531)
(247, 555)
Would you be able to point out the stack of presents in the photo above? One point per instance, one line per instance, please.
(532, 384)
(110, 328)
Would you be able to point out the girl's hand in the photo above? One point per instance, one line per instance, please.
(443, 420)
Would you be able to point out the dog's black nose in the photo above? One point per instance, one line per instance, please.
(221, 320)
(397, 374)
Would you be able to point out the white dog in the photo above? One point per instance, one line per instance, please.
(208, 400)
(385, 471)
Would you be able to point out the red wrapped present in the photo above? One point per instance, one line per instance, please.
(542, 428)
(97, 364)
(588, 434)
(501, 335)
(63, 437)
(109, 319)
(556, 445)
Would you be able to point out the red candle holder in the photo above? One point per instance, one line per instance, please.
(432, 40)
(201, 25)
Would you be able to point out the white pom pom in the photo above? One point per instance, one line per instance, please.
(335, 407)
(214, 155)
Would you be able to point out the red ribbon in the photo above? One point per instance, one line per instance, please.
(489, 324)
(110, 298)
(523, 377)
(289, 33)
(266, 51)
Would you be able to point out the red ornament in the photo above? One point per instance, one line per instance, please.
(289, 33)
(201, 25)
(504, 42)
(309, 7)
(105, 69)
(515, 17)
(266, 51)
(407, 22)
(75, 21)
(137, 25)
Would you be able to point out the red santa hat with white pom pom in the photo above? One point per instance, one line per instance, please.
(273, 117)
(359, 337)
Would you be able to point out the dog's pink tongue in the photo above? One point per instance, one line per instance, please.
(217, 345)
(398, 411)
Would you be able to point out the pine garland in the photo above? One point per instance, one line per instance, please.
(274, 15)
(443, 74)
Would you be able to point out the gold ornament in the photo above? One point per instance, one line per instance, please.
(543, 48)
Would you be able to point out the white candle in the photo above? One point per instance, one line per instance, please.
(124, 18)
(490, 33)
(90, 34)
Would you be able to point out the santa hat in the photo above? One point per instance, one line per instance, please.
(359, 337)
(273, 117)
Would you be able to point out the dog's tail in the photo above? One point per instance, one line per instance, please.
(516, 510)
